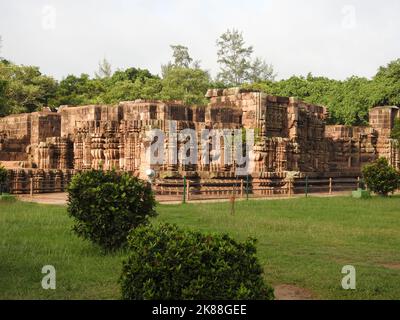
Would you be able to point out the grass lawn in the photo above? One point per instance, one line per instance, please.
(302, 242)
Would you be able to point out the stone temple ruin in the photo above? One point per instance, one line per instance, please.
(42, 150)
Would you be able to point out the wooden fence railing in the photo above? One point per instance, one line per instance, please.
(190, 189)
(250, 188)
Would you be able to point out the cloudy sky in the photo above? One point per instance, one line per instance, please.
(334, 38)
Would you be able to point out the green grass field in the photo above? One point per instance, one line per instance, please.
(302, 242)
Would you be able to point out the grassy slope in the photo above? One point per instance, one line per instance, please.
(304, 242)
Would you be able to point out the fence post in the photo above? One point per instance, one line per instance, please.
(247, 187)
(330, 185)
(306, 189)
(358, 183)
(241, 188)
(188, 190)
(184, 190)
(232, 200)
(31, 187)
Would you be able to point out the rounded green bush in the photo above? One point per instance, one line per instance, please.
(167, 263)
(107, 205)
(3, 179)
(381, 177)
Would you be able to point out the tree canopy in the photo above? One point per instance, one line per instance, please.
(105, 70)
(26, 89)
(236, 63)
(348, 101)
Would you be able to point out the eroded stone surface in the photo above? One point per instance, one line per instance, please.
(291, 136)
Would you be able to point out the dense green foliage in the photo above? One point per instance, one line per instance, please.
(186, 84)
(236, 63)
(3, 178)
(381, 177)
(107, 205)
(168, 263)
(396, 130)
(348, 101)
(25, 89)
(183, 79)
(386, 88)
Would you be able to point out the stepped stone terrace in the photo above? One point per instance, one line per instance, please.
(43, 150)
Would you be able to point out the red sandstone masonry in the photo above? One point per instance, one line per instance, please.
(291, 136)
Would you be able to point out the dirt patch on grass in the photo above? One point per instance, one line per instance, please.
(290, 292)
(46, 198)
(392, 266)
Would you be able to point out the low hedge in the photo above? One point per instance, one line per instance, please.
(168, 263)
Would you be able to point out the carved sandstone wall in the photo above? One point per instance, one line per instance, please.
(382, 121)
(290, 136)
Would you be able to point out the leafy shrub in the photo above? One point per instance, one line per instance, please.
(107, 205)
(3, 179)
(381, 177)
(396, 131)
(167, 263)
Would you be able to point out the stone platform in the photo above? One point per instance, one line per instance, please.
(44, 149)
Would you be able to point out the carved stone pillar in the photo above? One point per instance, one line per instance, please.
(87, 155)
(111, 153)
(19, 181)
(63, 148)
(78, 152)
(38, 181)
(97, 151)
(129, 152)
(44, 155)
(58, 181)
